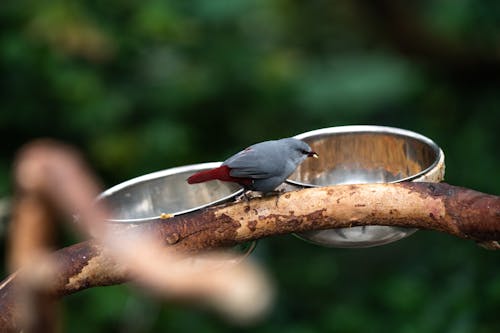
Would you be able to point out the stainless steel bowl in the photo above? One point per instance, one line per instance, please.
(366, 154)
(147, 197)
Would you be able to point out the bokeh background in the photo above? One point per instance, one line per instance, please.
(139, 86)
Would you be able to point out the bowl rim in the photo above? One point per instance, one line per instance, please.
(373, 129)
(161, 174)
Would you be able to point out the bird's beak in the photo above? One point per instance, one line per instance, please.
(313, 154)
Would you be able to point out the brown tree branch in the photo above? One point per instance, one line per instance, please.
(457, 211)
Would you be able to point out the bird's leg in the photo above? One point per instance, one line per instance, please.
(246, 196)
(277, 193)
(241, 197)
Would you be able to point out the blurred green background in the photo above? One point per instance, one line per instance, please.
(140, 86)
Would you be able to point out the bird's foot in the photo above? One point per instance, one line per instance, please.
(247, 196)
(276, 192)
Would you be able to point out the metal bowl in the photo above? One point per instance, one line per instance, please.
(366, 154)
(147, 197)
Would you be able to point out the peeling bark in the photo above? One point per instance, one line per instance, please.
(460, 212)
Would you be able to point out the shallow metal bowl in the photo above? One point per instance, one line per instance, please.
(366, 154)
(145, 198)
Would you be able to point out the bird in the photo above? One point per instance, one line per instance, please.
(261, 167)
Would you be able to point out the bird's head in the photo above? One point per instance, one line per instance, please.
(300, 150)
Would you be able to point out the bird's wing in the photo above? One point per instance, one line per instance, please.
(250, 163)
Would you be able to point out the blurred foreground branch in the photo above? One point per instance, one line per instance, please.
(51, 179)
(118, 252)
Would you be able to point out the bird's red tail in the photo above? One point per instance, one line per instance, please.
(220, 173)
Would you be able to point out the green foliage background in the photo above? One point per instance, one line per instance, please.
(140, 86)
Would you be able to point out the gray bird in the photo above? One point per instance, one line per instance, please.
(261, 167)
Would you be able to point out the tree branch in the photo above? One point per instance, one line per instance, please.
(457, 211)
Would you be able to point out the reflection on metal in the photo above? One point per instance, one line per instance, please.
(365, 154)
(151, 196)
(163, 194)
